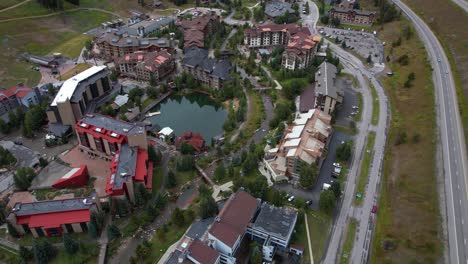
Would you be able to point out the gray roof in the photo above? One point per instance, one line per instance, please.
(109, 123)
(131, 41)
(148, 25)
(53, 206)
(59, 129)
(325, 78)
(126, 160)
(198, 228)
(357, 11)
(174, 258)
(197, 57)
(277, 8)
(276, 221)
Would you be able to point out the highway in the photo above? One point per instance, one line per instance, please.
(452, 142)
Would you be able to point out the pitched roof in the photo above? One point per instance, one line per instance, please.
(203, 253)
(197, 57)
(233, 219)
(19, 91)
(325, 78)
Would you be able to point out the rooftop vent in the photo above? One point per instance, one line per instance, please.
(114, 134)
(83, 125)
(98, 129)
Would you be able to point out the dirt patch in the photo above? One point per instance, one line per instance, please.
(235, 104)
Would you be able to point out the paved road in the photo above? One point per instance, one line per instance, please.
(462, 3)
(454, 161)
(312, 17)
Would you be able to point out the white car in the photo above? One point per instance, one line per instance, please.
(336, 164)
(355, 107)
(438, 59)
(290, 199)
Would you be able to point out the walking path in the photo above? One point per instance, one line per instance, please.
(14, 6)
(308, 240)
(60, 13)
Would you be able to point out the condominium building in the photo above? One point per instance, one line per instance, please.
(304, 142)
(327, 94)
(348, 15)
(53, 217)
(300, 51)
(77, 97)
(124, 144)
(112, 45)
(17, 96)
(210, 72)
(300, 45)
(198, 28)
(142, 65)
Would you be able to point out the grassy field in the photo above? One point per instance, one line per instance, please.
(366, 161)
(448, 22)
(40, 37)
(319, 224)
(77, 69)
(358, 116)
(349, 241)
(8, 3)
(7, 255)
(81, 257)
(408, 228)
(72, 47)
(375, 106)
(157, 179)
(159, 246)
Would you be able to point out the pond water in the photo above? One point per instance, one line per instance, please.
(193, 112)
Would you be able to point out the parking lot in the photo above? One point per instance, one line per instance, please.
(345, 114)
(363, 43)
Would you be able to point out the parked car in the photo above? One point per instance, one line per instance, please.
(290, 199)
(18, 142)
(309, 202)
(374, 209)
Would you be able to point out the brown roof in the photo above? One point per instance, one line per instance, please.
(193, 37)
(307, 100)
(149, 60)
(20, 197)
(233, 219)
(198, 23)
(203, 253)
(291, 28)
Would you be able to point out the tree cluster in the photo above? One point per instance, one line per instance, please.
(23, 178)
(283, 111)
(308, 175)
(44, 251)
(6, 158)
(185, 163)
(343, 152)
(208, 206)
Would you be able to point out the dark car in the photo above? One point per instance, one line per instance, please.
(18, 142)
(374, 209)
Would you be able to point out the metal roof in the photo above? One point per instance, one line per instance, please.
(52, 206)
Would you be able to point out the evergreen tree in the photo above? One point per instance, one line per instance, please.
(25, 254)
(208, 207)
(171, 179)
(113, 232)
(12, 231)
(71, 246)
(178, 217)
(327, 201)
(308, 175)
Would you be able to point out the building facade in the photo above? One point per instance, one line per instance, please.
(143, 65)
(353, 16)
(198, 28)
(18, 96)
(122, 143)
(327, 94)
(210, 72)
(54, 217)
(300, 51)
(112, 45)
(78, 96)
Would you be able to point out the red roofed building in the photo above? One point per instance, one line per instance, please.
(53, 217)
(230, 225)
(122, 143)
(193, 139)
(300, 51)
(198, 28)
(16, 96)
(76, 177)
(141, 65)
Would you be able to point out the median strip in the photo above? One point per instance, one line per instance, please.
(366, 161)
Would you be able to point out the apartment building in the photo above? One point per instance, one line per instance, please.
(53, 217)
(242, 217)
(210, 72)
(124, 144)
(327, 94)
(17, 96)
(141, 65)
(300, 51)
(304, 143)
(145, 27)
(353, 16)
(112, 45)
(198, 28)
(77, 97)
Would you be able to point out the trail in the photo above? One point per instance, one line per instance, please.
(61, 12)
(14, 6)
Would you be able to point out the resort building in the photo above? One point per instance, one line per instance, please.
(112, 45)
(304, 142)
(327, 94)
(54, 217)
(17, 96)
(210, 72)
(124, 144)
(77, 97)
(300, 51)
(348, 15)
(193, 139)
(145, 27)
(142, 65)
(221, 239)
(198, 28)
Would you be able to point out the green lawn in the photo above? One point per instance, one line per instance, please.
(41, 37)
(160, 245)
(147, 102)
(358, 116)
(77, 69)
(157, 179)
(375, 106)
(8, 3)
(87, 255)
(7, 255)
(366, 160)
(319, 225)
(349, 241)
